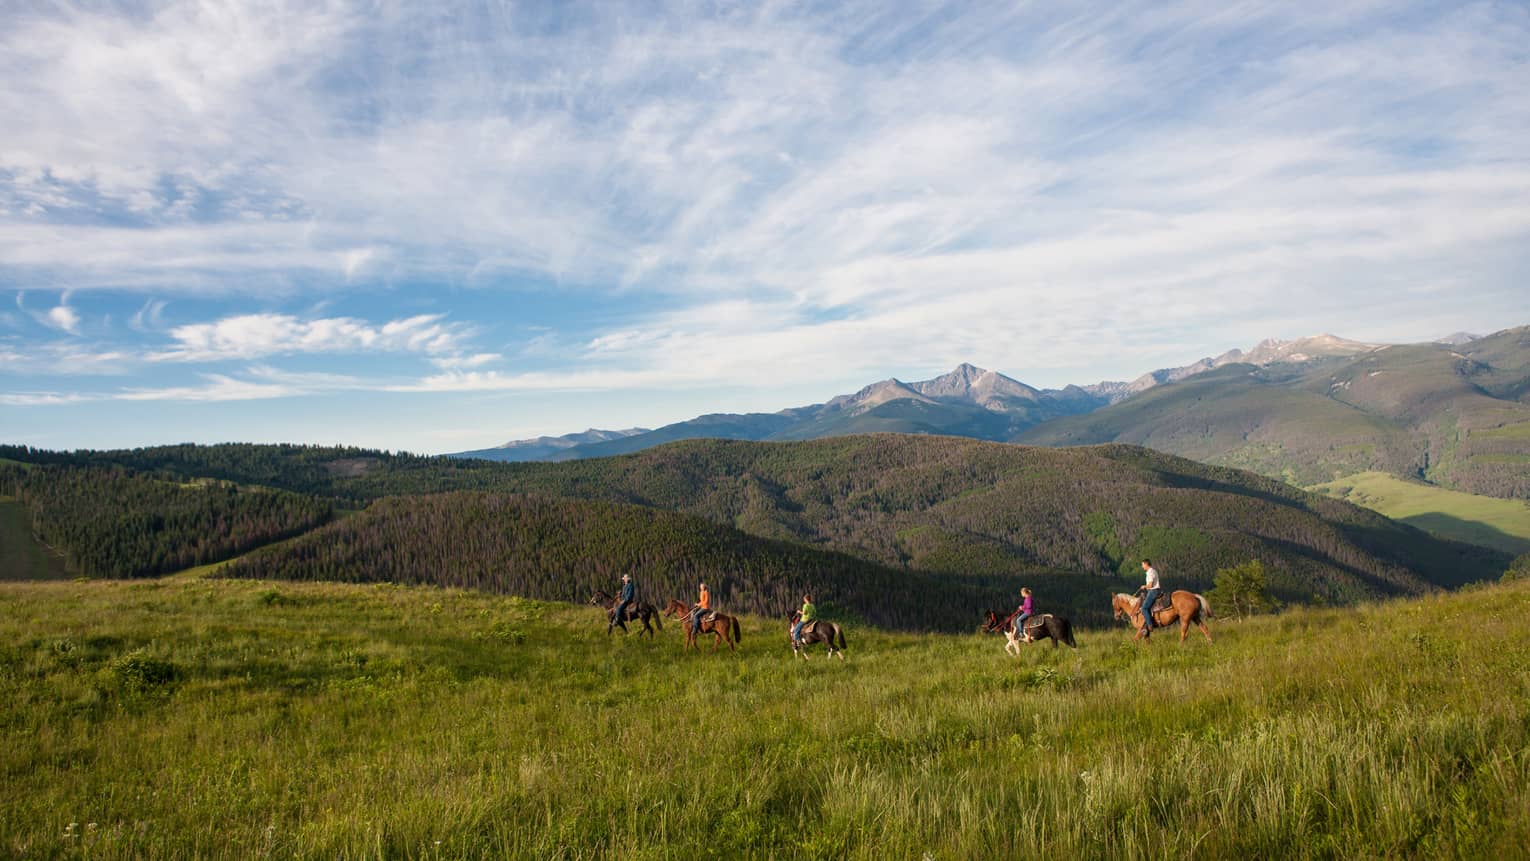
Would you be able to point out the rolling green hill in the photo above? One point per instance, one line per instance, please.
(1500, 523)
(930, 505)
(1454, 416)
(228, 719)
(960, 506)
(565, 549)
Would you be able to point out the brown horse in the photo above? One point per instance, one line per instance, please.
(638, 610)
(1183, 607)
(722, 628)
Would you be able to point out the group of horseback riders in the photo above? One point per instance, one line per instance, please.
(805, 626)
(1142, 609)
(700, 617)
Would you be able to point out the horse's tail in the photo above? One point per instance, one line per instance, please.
(1067, 633)
(738, 636)
(1205, 606)
(658, 618)
(840, 633)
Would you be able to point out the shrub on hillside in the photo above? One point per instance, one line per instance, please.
(1243, 588)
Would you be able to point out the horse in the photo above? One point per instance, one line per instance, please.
(637, 610)
(1045, 626)
(722, 628)
(816, 631)
(1184, 607)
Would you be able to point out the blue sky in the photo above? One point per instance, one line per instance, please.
(388, 225)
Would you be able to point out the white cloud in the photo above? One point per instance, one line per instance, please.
(476, 360)
(63, 318)
(150, 317)
(249, 336)
(859, 189)
(40, 399)
(217, 387)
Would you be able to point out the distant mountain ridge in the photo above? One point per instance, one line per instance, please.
(1454, 415)
(968, 401)
(542, 446)
(1308, 410)
(1267, 352)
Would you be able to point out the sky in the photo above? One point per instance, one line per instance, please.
(409, 227)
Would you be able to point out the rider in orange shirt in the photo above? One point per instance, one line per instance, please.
(703, 604)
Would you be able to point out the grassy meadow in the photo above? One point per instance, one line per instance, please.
(1503, 524)
(205, 718)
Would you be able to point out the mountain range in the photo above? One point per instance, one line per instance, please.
(543, 447)
(1454, 412)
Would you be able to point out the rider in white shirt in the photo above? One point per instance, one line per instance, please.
(1150, 591)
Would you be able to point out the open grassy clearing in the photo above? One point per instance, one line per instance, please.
(205, 718)
(1503, 524)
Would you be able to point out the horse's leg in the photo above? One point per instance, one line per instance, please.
(1204, 630)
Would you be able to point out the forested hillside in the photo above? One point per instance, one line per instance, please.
(565, 549)
(929, 505)
(961, 507)
(113, 522)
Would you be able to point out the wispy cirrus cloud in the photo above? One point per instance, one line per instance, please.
(251, 336)
(851, 189)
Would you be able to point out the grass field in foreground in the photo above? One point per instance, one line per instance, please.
(202, 718)
(1503, 524)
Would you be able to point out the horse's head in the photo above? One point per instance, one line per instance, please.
(990, 620)
(600, 597)
(675, 608)
(796, 616)
(1121, 606)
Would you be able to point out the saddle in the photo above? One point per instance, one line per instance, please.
(1163, 603)
(708, 616)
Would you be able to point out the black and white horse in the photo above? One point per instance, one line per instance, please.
(817, 631)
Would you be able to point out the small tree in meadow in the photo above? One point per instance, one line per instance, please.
(1243, 588)
(1519, 569)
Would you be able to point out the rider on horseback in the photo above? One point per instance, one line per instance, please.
(626, 599)
(703, 606)
(1150, 591)
(1025, 613)
(805, 616)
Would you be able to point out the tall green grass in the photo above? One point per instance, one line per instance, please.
(199, 718)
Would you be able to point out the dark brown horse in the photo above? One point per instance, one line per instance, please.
(722, 628)
(637, 610)
(1183, 607)
(1043, 626)
(816, 631)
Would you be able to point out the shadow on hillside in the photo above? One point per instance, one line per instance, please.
(1456, 529)
(1379, 585)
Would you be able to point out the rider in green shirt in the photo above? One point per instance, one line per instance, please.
(804, 617)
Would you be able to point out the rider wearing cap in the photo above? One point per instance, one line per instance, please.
(627, 597)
